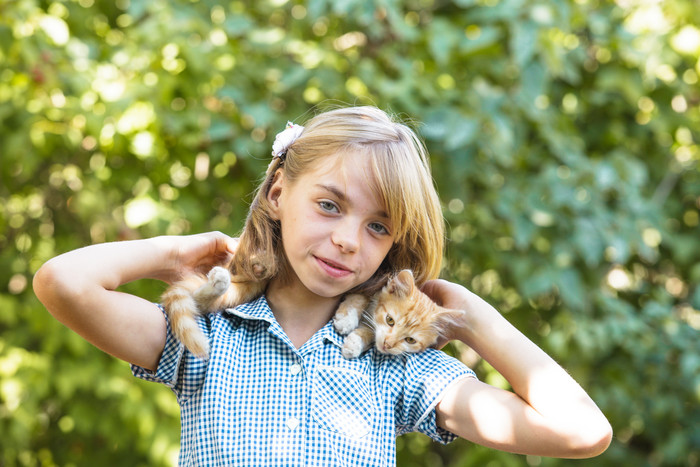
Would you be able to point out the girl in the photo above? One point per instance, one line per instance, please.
(345, 201)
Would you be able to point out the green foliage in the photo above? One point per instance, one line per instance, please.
(564, 140)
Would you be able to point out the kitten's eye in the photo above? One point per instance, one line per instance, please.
(410, 340)
(389, 320)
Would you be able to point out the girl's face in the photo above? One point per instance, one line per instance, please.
(335, 230)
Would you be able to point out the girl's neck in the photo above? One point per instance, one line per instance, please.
(299, 312)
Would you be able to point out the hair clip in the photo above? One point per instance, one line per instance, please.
(286, 138)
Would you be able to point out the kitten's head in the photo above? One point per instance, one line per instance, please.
(405, 319)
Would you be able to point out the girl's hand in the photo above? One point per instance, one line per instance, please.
(197, 253)
(449, 295)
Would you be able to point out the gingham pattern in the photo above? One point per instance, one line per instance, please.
(260, 401)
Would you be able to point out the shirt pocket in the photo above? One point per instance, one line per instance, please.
(342, 401)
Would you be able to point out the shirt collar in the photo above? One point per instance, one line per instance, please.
(260, 310)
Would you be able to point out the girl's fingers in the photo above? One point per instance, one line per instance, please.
(221, 250)
(442, 342)
(435, 289)
(223, 244)
(447, 294)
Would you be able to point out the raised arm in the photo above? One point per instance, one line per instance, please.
(79, 289)
(548, 414)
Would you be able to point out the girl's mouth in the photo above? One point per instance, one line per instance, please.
(332, 268)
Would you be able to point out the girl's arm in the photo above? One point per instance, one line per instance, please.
(548, 414)
(79, 289)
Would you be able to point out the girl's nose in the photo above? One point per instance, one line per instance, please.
(347, 236)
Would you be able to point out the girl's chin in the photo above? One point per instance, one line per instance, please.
(319, 289)
(328, 292)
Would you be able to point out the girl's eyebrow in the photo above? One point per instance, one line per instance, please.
(337, 192)
(342, 197)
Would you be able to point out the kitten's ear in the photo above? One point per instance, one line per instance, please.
(446, 319)
(401, 284)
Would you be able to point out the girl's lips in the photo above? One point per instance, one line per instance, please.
(333, 269)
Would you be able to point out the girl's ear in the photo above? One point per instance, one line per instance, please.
(275, 193)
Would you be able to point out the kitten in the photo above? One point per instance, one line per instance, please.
(198, 294)
(398, 319)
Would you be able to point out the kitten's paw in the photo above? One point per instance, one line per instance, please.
(346, 322)
(219, 280)
(352, 347)
(347, 316)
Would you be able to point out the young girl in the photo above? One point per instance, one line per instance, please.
(346, 199)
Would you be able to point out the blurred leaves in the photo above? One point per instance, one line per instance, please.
(564, 140)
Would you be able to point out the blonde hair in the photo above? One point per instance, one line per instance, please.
(398, 163)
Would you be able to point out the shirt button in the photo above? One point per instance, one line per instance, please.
(292, 422)
(295, 369)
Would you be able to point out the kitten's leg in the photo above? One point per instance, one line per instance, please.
(358, 341)
(347, 316)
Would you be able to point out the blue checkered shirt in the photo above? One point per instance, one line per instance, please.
(260, 401)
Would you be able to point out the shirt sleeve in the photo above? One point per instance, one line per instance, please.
(177, 368)
(427, 375)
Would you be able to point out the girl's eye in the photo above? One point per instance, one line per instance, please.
(328, 206)
(410, 340)
(378, 228)
(389, 320)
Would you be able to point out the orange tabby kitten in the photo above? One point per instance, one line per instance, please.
(198, 294)
(399, 319)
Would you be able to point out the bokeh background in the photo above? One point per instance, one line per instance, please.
(564, 141)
